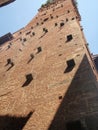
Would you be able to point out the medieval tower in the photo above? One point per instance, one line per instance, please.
(48, 80)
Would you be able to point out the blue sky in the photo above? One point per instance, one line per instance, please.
(16, 15)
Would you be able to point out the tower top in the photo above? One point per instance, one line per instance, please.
(52, 3)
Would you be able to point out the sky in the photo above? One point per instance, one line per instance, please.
(19, 13)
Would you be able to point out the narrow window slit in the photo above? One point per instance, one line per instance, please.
(69, 38)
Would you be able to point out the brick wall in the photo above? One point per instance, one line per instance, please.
(53, 74)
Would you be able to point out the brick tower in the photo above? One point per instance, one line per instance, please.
(47, 77)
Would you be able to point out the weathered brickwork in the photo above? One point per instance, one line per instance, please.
(52, 83)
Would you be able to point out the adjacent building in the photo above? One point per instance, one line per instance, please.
(5, 2)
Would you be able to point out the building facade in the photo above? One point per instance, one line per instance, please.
(48, 80)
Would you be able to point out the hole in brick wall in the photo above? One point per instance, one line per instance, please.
(31, 58)
(78, 55)
(12, 64)
(57, 16)
(81, 28)
(33, 33)
(60, 54)
(37, 24)
(20, 39)
(56, 24)
(45, 30)
(31, 27)
(60, 45)
(39, 49)
(42, 23)
(69, 37)
(74, 125)
(61, 24)
(8, 47)
(10, 43)
(70, 65)
(46, 19)
(51, 17)
(68, 11)
(29, 78)
(28, 33)
(8, 62)
(20, 32)
(20, 50)
(72, 18)
(62, 5)
(60, 97)
(66, 19)
(24, 40)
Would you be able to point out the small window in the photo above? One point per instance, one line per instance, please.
(61, 24)
(28, 33)
(45, 30)
(39, 49)
(73, 18)
(56, 24)
(37, 24)
(24, 40)
(12, 64)
(33, 33)
(68, 11)
(31, 58)
(70, 65)
(66, 19)
(29, 78)
(69, 38)
(46, 19)
(60, 97)
(51, 17)
(8, 62)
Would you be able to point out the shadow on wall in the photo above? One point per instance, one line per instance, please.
(79, 107)
(8, 122)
